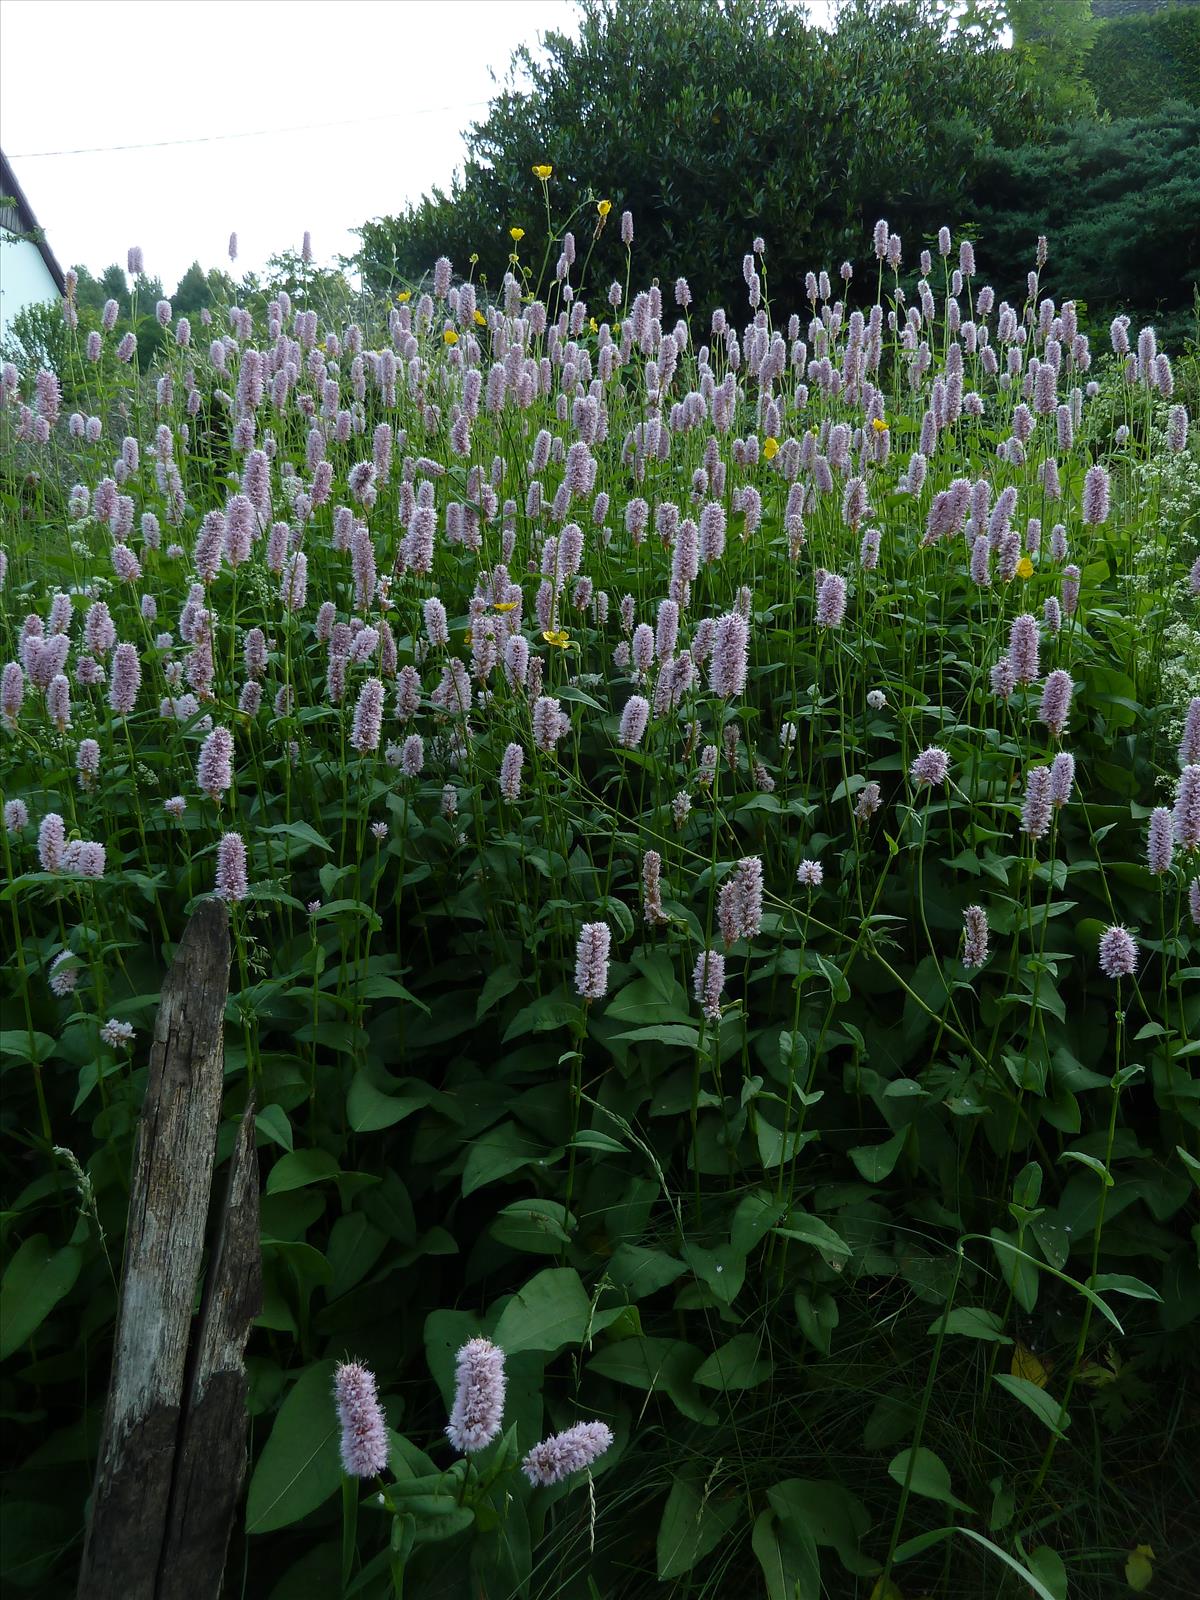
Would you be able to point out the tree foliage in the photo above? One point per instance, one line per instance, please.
(1119, 201)
(1139, 62)
(740, 119)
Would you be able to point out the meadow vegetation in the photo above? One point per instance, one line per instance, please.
(709, 811)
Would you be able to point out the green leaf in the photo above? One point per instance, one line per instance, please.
(670, 1033)
(722, 1270)
(299, 1169)
(1044, 1406)
(1119, 1283)
(536, 1225)
(788, 1558)
(692, 1526)
(973, 1322)
(755, 1216)
(549, 1312)
(17, 1042)
(876, 1161)
(827, 1513)
(299, 1468)
(301, 832)
(355, 1245)
(665, 1365)
(368, 1108)
(37, 1278)
(1092, 1164)
(924, 1541)
(498, 1152)
(501, 981)
(736, 1365)
(930, 1476)
(640, 1271)
(811, 1230)
(272, 1121)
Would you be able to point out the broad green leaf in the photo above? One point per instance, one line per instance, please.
(1119, 1283)
(667, 1365)
(740, 1364)
(930, 1476)
(811, 1230)
(37, 1278)
(1044, 1406)
(499, 1152)
(299, 1467)
(539, 1226)
(974, 1322)
(301, 832)
(368, 1108)
(1092, 1164)
(355, 1245)
(876, 1161)
(788, 1557)
(829, 1514)
(755, 1216)
(669, 1033)
(640, 1271)
(693, 1525)
(299, 1169)
(549, 1312)
(272, 1121)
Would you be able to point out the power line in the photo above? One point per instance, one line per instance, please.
(254, 133)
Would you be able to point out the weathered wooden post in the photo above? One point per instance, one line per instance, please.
(172, 1451)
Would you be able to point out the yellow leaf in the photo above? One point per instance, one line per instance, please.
(886, 1591)
(1026, 1365)
(1139, 1569)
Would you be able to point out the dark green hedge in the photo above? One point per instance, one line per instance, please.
(1139, 62)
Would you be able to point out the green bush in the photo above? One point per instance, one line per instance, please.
(739, 120)
(1119, 202)
(1138, 62)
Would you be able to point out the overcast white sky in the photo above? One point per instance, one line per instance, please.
(403, 77)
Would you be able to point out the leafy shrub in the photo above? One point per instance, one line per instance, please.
(737, 120)
(1120, 200)
(778, 1177)
(1138, 62)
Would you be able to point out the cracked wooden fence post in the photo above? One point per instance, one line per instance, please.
(172, 1448)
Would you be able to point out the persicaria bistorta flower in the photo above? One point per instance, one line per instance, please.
(1160, 841)
(708, 980)
(831, 601)
(1187, 809)
(975, 936)
(557, 1457)
(1095, 495)
(634, 719)
(930, 767)
(510, 773)
(478, 1410)
(126, 679)
(591, 960)
(368, 717)
(1056, 701)
(1118, 953)
(214, 769)
(811, 874)
(231, 880)
(117, 1035)
(727, 668)
(364, 1441)
(52, 842)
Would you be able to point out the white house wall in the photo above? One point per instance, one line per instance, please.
(25, 279)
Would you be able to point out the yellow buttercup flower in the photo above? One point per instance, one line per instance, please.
(449, 336)
(480, 318)
(542, 171)
(558, 637)
(1024, 568)
(504, 605)
(604, 207)
(405, 294)
(770, 448)
(516, 234)
(879, 425)
(593, 325)
(467, 636)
